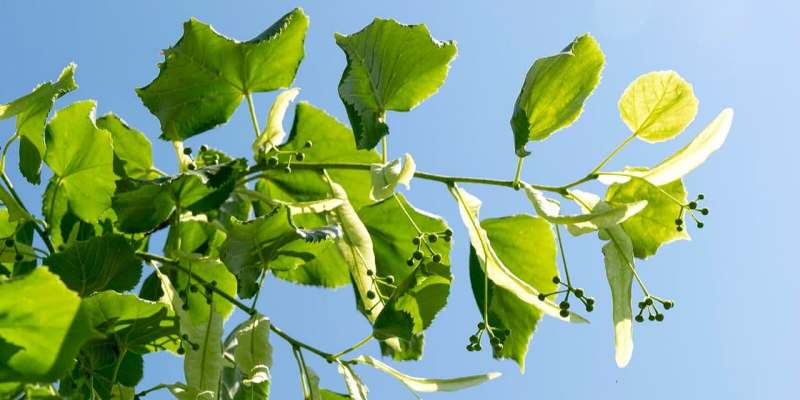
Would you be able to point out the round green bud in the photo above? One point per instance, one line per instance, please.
(181, 351)
(481, 325)
(704, 211)
(679, 229)
(497, 348)
(700, 196)
(642, 304)
(195, 346)
(659, 317)
(448, 232)
(578, 292)
(187, 150)
(668, 304)
(9, 242)
(418, 255)
(410, 262)
(390, 279)
(308, 144)
(494, 341)
(590, 300)
(678, 221)
(287, 169)
(193, 288)
(300, 156)
(556, 280)
(370, 272)
(477, 347)
(541, 297)
(473, 339)
(437, 258)
(563, 313)
(370, 294)
(639, 318)
(213, 283)
(185, 337)
(564, 305)
(18, 257)
(648, 301)
(273, 161)
(589, 308)
(651, 317)
(507, 331)
(191, 167)
(432, 238)
(203, 148)
(692, 205)
(415, 240)
(447, 238)
(469, 347)
(700, 225)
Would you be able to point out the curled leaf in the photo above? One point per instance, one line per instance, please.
(273, 133)
(387, 176)
(425, 385)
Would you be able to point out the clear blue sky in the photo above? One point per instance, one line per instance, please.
(734, 331)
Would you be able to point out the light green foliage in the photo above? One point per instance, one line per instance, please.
(526, 245)
(549, 209)
(421, 290)
(658, 106)
(81, 158)
(554, 91)
(355, 386)
(31, 111)
(390, 67)
(41, 327)
(205, 75)
(654, 226)
(130, 322)
(248, 345)
(493, 266)
(133, 153)
(274, 134)
(101, 263)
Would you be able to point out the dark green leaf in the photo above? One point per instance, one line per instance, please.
(133, 154)
(554, 91)
(205, 75)
(31, 111)
(100, 263)
(390, 67)
(526, 246)
(142, 206)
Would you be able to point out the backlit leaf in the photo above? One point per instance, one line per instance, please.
(658, 106)
(425, 385)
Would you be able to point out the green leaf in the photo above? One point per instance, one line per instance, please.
(386, 177)
(102, 366)
(81, 157)
(422, 290)
(554, 91)
(41, 328)
(211, 270)
(658, 106)
(205, 75)
(203, 326)
(329, 395)
(133, 153)
(654, 226)
(248, 345)
(100, 263)
(274, 134)
(526, 245)
(31, 111)
(319, 264)
(131, 322)
(426, 385)
(356, 247)
(498, 272)
(390, 67)
(549, 209)
(141, 206)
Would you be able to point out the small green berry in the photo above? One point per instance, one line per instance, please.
(287, 169)
(469, 347)
(185, 337)
(578, 292)
(273, 161)
(648, 301)
(541, 297)
(370, 294)
(556, 280)
(589, 308)
(448, 232)
(497, 348)
(300, 156)
(213, 283)
(193, 288)
(308, 144)
(181, 351)
(447, 238)
(481, 325)
(437, 258)
(415, 240)
(477, 347)
(473, 339)
(432, 238)
(18, 257)
(410, 262)
(678, 222)
(370, 272)
(195, 346)
(639, 318)
(668, 304)
(642, 304)
(187, 150)
(494, 341)
(590, 300)
(700, 225)
(692, 205)
(679, 229)
(9, 242)
(704, 211)
(390, 279)
(700, 196)
(651, 318)
(659, 317)
(564, 305)
(507, 331)
(191, 167)
(563, 313)
(418, 255)
(203, 148)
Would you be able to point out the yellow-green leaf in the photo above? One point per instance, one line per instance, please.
(425, 385)
(658, 106)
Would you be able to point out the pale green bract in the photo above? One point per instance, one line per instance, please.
(390, 67)
(469, 206)
(385, 177)
(683, 161)
(554, 91)
(253, 354)
(549, 209)
(273, 133)
(658, 106)
(425, 385)
(357, 389)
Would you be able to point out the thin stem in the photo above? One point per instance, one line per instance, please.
(477, 228)
(36, 227)
(153, 389)
(518, 173)
(613, 153)
(385, 150)
(118, 365)
(294, 342)
(354, 347)
(253, 118)
(563, 255)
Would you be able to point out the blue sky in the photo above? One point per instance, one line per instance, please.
(734, 331)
